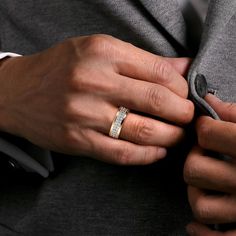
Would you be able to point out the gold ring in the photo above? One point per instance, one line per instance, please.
(116, 125)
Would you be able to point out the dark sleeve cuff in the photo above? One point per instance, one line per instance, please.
(27, 156)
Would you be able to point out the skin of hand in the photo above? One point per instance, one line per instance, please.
(65, 99)
(204, 173)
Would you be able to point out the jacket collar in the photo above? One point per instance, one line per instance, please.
(169, 16)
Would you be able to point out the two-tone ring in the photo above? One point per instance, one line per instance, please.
(118, 121)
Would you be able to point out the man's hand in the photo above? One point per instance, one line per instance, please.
(212, 182)
(65, 99)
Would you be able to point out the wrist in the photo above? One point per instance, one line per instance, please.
(7, 72)
(3, 60)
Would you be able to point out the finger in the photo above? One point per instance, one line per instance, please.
(226, 111)
(212, 209)
(180, 64)
(146, 131)
(140, 64)
(209, 173)
(122, 152)
(219, 136)
(99, 116)
(198, 229)
(153, 99)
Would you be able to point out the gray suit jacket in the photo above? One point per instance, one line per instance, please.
(86, 197)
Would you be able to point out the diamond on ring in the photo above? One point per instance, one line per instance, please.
(117, 122)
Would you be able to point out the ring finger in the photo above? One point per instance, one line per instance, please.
(145, 131)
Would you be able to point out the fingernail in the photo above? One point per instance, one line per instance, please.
(162, 153)
(190, 230)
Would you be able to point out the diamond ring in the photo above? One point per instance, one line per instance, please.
(117, 122)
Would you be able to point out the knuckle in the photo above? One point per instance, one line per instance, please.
(202, 211)
(188, 112)
(190, 171)
(89, 80)
(161, 70)
(97, 45)
(148, 157)
(123, 156)
(142, 131)
(204, 134)
(154, 99)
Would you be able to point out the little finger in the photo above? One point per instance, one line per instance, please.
(122, 152)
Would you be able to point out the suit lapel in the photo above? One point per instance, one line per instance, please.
(216, 58)
(168, 14)
(219, 14)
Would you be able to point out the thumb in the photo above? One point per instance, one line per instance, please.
(226, 110)
(181, 65)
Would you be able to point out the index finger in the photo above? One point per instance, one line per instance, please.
(139, 64)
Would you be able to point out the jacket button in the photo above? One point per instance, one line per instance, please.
(201, 85)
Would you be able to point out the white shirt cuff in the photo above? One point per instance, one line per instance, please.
(8, 54)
